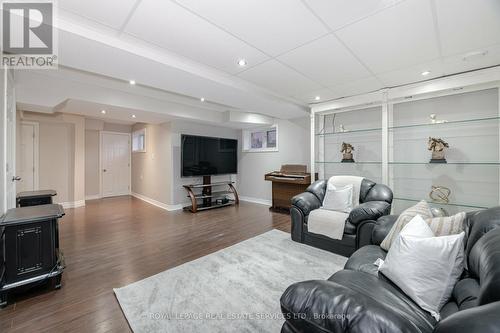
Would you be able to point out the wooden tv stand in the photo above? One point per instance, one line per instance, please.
(207, 199)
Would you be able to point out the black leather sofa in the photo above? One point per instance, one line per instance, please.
(359, 299)
(375, 201)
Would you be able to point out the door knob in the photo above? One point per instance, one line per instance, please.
(103, 170)
(16, 178)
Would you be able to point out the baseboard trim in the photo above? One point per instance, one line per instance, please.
(93, 197)
(73, 204)
(257, 200)
(156, 203)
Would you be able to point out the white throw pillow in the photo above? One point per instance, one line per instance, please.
(425, 268)
(338, 198)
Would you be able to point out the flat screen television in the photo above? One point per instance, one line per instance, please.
(208, 156)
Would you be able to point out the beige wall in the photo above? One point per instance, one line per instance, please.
(61, 154)
(152, 170)
(92, 187)
(92, 148)
(69, 153)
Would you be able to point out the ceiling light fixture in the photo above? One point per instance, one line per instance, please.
(425, 73)
(103, 111)
(133, 116)
(242, 62)
(132, 82)
(202, 99)
(317, 98)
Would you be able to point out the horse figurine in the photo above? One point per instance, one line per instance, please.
(437, 146)
(346, 151)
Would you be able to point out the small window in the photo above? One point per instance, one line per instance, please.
(139, 141)
(261, 139)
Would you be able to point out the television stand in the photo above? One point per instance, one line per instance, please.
(208, 198)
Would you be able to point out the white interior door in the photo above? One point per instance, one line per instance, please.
(28, 157)
(115, 164)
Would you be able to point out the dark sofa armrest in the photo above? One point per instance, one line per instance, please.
(306, 202)
(370, 210)
(325, 306)
(479, 319)
(382, 228)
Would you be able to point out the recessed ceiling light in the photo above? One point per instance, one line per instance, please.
(242, 62)
(425, 73)
(103, 111)
(202, 99)
(132, 82)
(133, 116)
(317, 98)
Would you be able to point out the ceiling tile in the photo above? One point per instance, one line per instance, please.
(168, 25)
(339, 13)
(272, 26)
(279, 78)
(412, 74)
(357, 87)
(397, 37)
(326, 61)
(457, 64)
(465, 25)
(112, 13)
(310, 97)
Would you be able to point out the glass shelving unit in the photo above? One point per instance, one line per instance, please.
(472, 170)
(395, 150)
(332, 130)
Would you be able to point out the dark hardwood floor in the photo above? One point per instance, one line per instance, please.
(113, 242)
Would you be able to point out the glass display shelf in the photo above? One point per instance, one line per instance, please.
(447, 163)
(347, 163)
(361, 130)
(442, 203)
(452, 122)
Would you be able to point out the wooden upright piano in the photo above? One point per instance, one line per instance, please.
(291, 180)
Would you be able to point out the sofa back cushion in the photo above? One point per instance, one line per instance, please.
(479, 223)
(318, 188)
(484, 263)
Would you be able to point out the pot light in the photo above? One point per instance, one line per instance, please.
(133, 116)
(242, 62)
(317, 98)
(103, 111)
(132, 82)
(425, 73)
(202, 99)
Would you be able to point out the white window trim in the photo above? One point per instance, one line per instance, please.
(139, 132)
(246, 145)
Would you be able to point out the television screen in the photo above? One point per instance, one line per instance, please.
(206, 156)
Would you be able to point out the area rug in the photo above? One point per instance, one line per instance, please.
(236, 289)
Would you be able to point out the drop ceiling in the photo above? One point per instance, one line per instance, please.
(295, 49)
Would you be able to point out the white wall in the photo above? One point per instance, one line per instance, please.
(293, 147)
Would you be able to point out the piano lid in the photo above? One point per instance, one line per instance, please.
(293, 168)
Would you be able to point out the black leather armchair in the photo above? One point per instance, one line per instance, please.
(359, 299)
(375, 201)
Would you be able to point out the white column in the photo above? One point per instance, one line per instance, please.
(385, 137)
(321, 147)
(313, 135)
